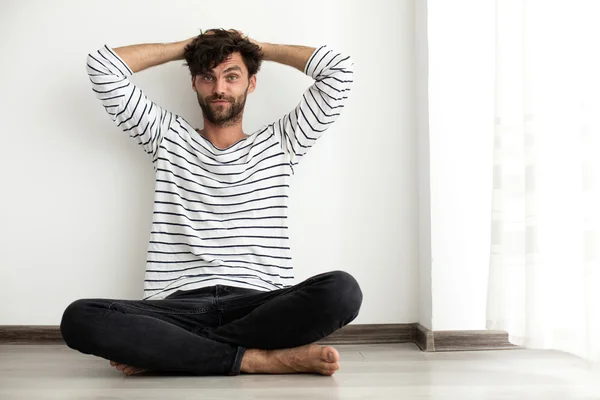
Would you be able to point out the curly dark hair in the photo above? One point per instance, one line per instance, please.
(211, 48)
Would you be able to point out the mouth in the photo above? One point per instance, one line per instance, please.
(220, 101)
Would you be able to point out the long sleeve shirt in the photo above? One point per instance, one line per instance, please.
(220, 215)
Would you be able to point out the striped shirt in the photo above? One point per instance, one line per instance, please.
(220, 215)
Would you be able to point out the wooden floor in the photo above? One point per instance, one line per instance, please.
(398, 371)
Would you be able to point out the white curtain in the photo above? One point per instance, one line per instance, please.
(544, 278)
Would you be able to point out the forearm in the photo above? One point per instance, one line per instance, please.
(292, 55)
(141, 56)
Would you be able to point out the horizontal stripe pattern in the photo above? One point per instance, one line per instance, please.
(220, 215)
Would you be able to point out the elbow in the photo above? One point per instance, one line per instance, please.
(91, 65)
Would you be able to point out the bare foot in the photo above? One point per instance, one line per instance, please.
(126, 369)
(311, 358)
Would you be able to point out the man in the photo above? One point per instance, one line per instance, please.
(217, 293)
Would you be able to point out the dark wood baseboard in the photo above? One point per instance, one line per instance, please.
(426, 339)
(372, 333)
(30, 334)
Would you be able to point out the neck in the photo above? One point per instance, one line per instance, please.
(222, 136)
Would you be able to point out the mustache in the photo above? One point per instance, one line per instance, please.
(215, 98)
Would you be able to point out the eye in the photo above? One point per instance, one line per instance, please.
(232, 77)
(207, 77)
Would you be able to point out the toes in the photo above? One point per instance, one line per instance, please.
(329, 354)
(328, 368)
(135, 370)
(132, 370)
(121, 367)
(140, 370)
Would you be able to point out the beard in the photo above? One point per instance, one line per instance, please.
(222, 114)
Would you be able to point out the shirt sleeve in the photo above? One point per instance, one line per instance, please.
(125, 103)
(321, 103)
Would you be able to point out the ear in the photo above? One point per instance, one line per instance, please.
(194, 82)
(252, 84)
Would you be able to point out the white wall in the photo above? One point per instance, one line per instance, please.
(423, 161)
(77, 193)
(461, 155)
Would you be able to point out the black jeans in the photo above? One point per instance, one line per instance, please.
(206, 331)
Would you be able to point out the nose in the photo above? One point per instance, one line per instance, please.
(219, 86)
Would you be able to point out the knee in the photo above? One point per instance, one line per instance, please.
(72, 322)
(345, 292)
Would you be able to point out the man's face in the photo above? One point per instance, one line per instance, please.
(222, 92)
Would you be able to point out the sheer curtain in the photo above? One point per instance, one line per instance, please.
(544, 277)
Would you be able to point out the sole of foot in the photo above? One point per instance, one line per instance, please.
(312, 358)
